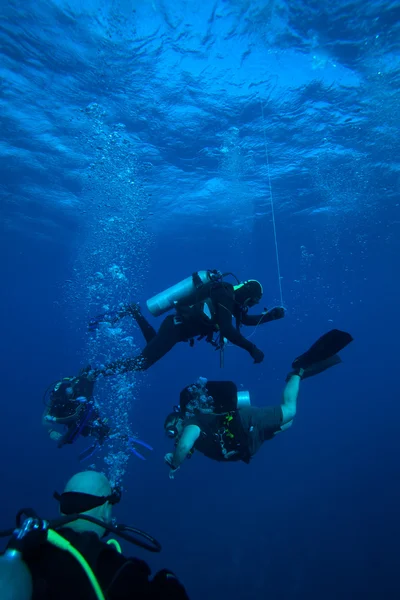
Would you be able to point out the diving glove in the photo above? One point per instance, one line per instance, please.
(257, 355)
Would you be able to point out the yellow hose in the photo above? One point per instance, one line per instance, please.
(115, 544)
(59, 542)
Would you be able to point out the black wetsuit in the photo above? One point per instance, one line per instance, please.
(237, 435)
(80, 418)
(231, 433)
(190, 323)
(57, 575)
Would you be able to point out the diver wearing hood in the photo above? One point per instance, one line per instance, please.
(70, 404)
(67, 558)
(205, 306)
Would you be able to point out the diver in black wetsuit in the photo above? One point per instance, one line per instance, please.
(68, 558)
(71, 405)
(209, 310)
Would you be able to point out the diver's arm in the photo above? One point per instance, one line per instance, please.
(63, 420)
(253, 320)
(228, 331)
(187, 440)
(266, 317)
(225, 305)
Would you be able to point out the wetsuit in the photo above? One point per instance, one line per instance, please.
(230, 433)
(80, 418)
(237, 435)
(190, 322)
(57, 575)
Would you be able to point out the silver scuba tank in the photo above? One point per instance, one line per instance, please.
(15, 577)
(243, 399)
(186, 291)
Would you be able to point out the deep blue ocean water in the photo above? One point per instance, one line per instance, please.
(135, 144)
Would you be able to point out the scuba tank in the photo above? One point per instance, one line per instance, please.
(185, 292)
(224, 394)
(15, 577)
(243, 399)
(223, 400)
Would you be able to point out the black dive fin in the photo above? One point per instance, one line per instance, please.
(325, 348)
(320, 366)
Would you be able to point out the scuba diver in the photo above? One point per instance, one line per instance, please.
(204, 307)
(67, 557)
(217, 420)
(70, 404)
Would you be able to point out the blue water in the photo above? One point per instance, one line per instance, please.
(135, 144)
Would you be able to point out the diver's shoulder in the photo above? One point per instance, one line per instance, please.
(223, 290)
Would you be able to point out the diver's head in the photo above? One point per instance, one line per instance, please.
(173, 425)
(248, 293)
(89, 493)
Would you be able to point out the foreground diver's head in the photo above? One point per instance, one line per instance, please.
(173, 424)
(88, 489)
(248, 293)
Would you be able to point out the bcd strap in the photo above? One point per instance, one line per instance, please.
(197, 280)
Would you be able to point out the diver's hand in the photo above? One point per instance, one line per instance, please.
(87, 373)
(168, 460)
(274, 314)
(83, 383)
(257, 355)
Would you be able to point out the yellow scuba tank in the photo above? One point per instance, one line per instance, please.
(186, 292)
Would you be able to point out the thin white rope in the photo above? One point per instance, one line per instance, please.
(272, 207)
(278, 266)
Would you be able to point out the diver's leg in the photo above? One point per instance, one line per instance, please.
(261, 424)
(270, 420)
(167, 336)
(289, 400)
(147, 330)
(113, 317)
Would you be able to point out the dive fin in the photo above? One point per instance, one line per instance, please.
(88, 452)
(325, 348)
(320, 366)
(134, 440)
(131, 444)
(136, 453)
